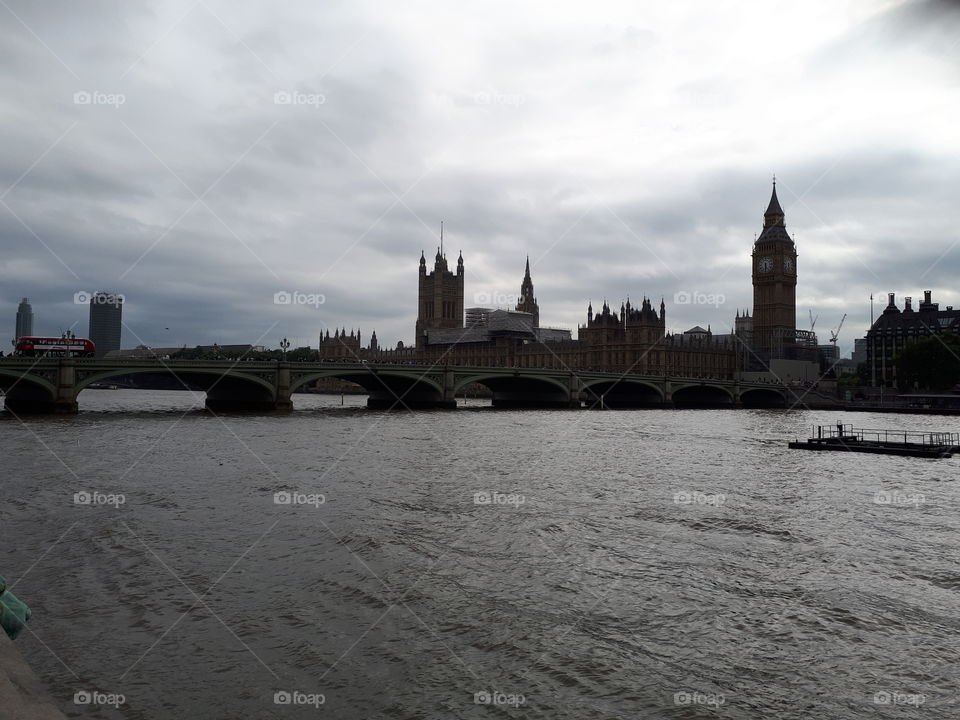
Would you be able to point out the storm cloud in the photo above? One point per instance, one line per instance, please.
(201, 157)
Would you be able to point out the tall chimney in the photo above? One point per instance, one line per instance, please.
(907, 302)
(926, 297)
(891, 300)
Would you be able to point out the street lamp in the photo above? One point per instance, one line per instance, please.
(284, 345)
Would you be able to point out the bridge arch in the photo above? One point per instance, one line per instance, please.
(702, 395)
(519, 390)
(26, 391)
(763, 398)
(625, 392)
(196, 376)
(225, 388)
(361, 372)
(386, 388)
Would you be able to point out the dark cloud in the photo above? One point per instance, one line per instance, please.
(627, 151)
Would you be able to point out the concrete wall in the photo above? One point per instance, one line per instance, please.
(22, 695)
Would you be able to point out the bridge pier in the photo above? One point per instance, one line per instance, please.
(668, 403)
(28, 398)
(283, 401)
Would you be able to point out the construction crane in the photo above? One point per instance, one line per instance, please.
(835, 333)
(813, 320)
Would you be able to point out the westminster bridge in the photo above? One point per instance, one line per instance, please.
(52, 385)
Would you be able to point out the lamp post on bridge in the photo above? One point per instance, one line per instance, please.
(284, 346)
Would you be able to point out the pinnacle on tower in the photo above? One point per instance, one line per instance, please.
(774, 213)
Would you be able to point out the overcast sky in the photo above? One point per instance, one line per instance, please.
(200, 157)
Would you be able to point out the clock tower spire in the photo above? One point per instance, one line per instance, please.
(774, 286)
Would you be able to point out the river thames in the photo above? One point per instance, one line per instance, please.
(345, 563)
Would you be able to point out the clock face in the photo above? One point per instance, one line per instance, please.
(788, 264)
(765, 264)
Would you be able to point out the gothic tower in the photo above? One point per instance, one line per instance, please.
(440, 297)
(774, 285)
(527, 302)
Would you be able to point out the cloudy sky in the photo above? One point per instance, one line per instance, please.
(200, 157)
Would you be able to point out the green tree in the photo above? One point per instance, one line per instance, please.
(302, 354)
(932, 363)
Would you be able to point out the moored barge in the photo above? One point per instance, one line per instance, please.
(846, 438)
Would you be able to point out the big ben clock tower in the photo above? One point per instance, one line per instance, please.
(774, 285)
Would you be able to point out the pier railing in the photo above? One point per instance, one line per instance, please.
(848, 432)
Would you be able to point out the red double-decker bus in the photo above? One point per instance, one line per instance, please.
(34, 346)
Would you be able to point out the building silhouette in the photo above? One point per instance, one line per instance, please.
(24, 319)
(895, 329)
(106, 313)
(527, 302)
(859, 355)
(774, 285)
(633, 340)
(440, 296)
(344, 347)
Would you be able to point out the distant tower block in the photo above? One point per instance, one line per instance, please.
(106, 313)
(24, 319)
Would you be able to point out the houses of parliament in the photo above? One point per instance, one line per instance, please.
(631, 340)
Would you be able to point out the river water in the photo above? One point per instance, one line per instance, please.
(345, 563)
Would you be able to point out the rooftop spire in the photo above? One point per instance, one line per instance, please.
(774, 213)
(441, 237)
